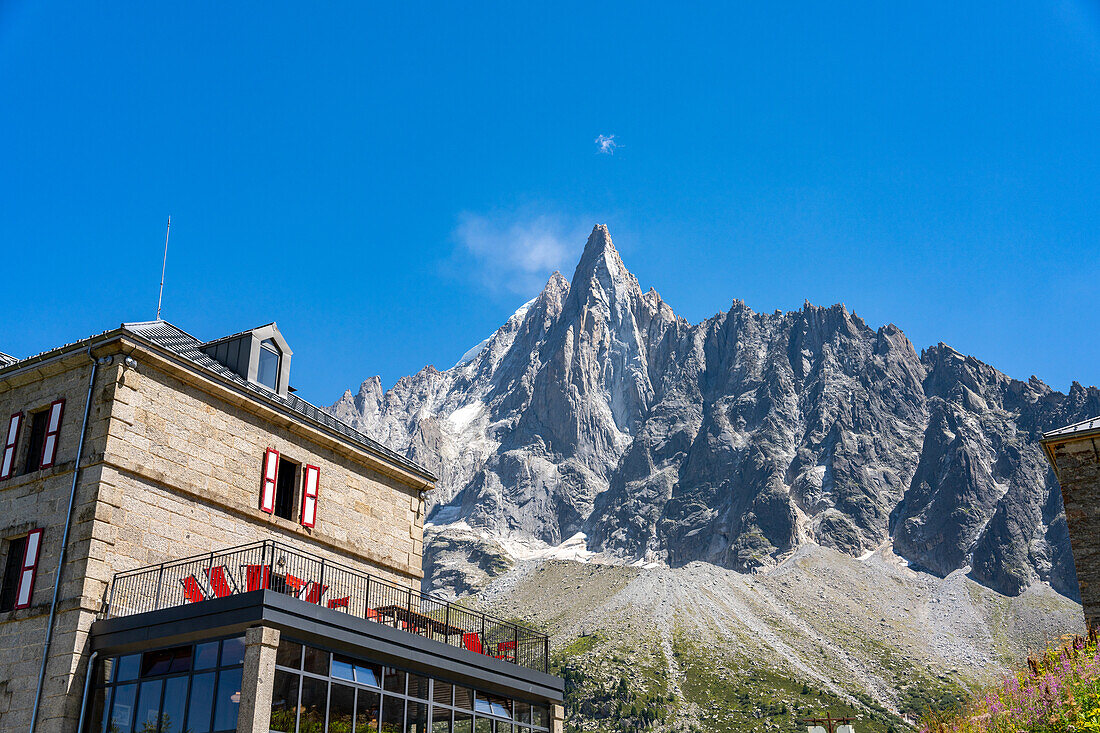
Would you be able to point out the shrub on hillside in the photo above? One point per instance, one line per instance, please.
(1059, 692)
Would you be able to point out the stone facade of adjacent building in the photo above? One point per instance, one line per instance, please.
(1074, 452)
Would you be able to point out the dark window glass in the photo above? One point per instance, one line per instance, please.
(128, 667)
(289, 654)
(504, 726)
(316, 661)
(418, 686)
(540, 716)
(284, 488)
(233, 651)
(99, 708)
(206, 655)
(442, 692)
(108, 666)
(39, 421)
(484, 725)
(201, 702)
(523, 711)
(416, 718)
(464, 723)
(314, 697)
(267, 369)
(284, 702)
(441, 720)
(492, 705)
(393, 715)
(464, 698)
(341, 707)
(229, 700)
(367, 712)
(12, 566)
(368, 674)
(166, 661)
(175, 705)
(122, 709)
(394, 681)
(148, 706)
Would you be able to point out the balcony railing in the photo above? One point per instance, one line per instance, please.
(274, 566)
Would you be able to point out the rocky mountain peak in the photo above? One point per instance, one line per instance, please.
(735, 441)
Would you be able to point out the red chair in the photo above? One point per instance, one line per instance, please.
(295, 584)
(220, 582)
(506, 650)
(472, 641)
(192, 590)
(314, 591)
(372, 615)
(257, 577)
(339, 602)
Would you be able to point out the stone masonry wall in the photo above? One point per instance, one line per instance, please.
(40, 499)
(1079, 475)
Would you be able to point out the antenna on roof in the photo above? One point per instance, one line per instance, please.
(163, 263)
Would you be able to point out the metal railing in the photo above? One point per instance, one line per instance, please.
(274, 566)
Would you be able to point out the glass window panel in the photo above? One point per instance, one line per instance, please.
(442, 692)
(99, 710)
(284, 702)
(289, 654)
(267, 369)
(522, 711)
(181, 660)
(122, 709)
(341, 707)
(368, 674)
(316, 661)
(393, 714)
(418, 686)
(464, 723)
(416, 717)
(441, 719)
(229, 699)
(483, 706)
(483, 725)
(503, 708)
(464, 698)
(540, 716)
(175, 704)
(394, 680)
(313, 700)
(233, 651)
(148, 706)
(158, 662)
(206, 655)
(201, 703)
(108, 668)
(367, 712)
(343, 668)
(128, 668)
(504, 726)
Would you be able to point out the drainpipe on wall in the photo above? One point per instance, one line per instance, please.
(65, 537)
(84, 697)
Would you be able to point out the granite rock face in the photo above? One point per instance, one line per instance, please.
(595, 409)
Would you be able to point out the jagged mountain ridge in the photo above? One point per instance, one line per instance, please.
(596, 409)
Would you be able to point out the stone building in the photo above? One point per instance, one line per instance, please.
(1074, 451)
(223, 555)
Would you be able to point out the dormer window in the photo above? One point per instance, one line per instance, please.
(260, 355)
(267, 369)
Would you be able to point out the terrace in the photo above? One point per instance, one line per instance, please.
(273, 566)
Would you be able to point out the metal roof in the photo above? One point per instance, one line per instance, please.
(1078, 429)
(186, 346)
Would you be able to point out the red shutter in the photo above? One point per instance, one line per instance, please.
(29, 570)
(271, 475)
(10, 441)
(53, 427)
(309, 496)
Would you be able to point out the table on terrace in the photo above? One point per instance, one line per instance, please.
(418, 620)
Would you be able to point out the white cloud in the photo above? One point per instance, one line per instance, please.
(606, 144)
(517, 251)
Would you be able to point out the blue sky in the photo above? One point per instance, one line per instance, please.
(389, 183)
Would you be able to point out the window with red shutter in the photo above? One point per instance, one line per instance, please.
(270, 476)
(53, 427)
(309, 496)
(11, 439)
(29, 570)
